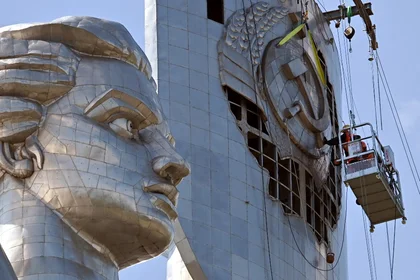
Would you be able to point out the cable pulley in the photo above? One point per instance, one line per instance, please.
(349, 32)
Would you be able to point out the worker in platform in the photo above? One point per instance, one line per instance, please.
(346, 137)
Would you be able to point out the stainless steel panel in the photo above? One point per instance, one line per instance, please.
(88, 164)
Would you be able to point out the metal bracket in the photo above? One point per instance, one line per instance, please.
(341, 13)
(364, 10)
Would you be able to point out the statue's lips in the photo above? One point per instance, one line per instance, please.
(164, 197)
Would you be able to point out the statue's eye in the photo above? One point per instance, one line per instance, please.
(122, 127)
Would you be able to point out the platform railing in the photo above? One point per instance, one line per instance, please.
(397, 192)
(356, 164)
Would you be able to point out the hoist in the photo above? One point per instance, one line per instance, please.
(364, 10)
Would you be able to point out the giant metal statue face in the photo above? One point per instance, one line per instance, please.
(82, 128)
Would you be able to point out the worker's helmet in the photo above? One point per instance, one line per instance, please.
(346, 127)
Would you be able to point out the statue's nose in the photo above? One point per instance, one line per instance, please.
(172, 168)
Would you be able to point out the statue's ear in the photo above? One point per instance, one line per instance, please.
(19, 119)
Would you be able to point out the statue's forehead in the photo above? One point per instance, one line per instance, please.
(87, 35)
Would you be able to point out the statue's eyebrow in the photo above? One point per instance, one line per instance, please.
(114, 104)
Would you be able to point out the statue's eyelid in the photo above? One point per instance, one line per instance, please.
(114, 104)
(171, 139)
(108, 114)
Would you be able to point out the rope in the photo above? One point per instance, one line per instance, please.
(397, 114)
(400, 128)
(265, 212)
(351, 105)
(346, 72)
(288, 217)
(391, 256)
(345, 219)
(393, 247)
(373, 256)
(374, 97)
(369, 241)
(350, 84)
(381, 77)
(256, 90)
(368, 247)
(379, 95)
(291, 148)
(320, 21)
(389, 249)
(343, 74)
(291, 228)
(322, 4)
(391, 259)
(407, 149)
(349, 78)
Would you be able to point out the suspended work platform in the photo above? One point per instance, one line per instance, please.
(369, 170)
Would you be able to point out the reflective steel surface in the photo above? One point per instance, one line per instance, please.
(228, 227)
(89, 170)
(6, 270)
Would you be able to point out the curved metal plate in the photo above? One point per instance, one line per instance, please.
(295, 93)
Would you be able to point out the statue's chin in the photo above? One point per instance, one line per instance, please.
(128, 237)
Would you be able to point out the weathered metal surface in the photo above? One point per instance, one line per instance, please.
(6, 270)
(282, 94)
(89, 166)
(228, 226)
